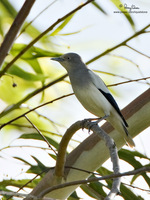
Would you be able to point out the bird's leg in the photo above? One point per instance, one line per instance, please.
(97, 121)
(93, 123)
(101, 118)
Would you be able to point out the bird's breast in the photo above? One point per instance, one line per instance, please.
(92, 99)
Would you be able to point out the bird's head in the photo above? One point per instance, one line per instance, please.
(69, 61)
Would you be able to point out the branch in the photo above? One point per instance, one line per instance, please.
(10, 37)
(137, 51)
(25, 27)
(17, 105)
(16, 194)
(61, 156)
(129, 81)
(113, 155)
(41, 35)
(32, 94)
(39, 132)
(22, 115)
(119, 45)
(92, 152)
(133, 186)
(90, 180)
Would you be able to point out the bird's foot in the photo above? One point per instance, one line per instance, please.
(96, 121)
(88, 120)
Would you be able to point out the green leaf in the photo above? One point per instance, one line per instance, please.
(37, 169)
(17, 47)
(140, 155)
(17, 71)
(129, 157)
(30, 30)
(18, 183)
(128, 194)
(145, 176)
(103, 171)
(99, 7)
(94, 190)
(9, 8)
(11, 12)
(35, 65)
(73, 196)
(36, 136)
(125, 12)
(22, 160)
(63, 24)
(32, 53)
(38, 52)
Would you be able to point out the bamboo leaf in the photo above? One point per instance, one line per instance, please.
(125, 12)
(94, 189)
(63, 24)
(36, 136)
(9, 8)
(37, 169)
(128, 194)
(17, 71)
(99, 7)
(73, 196)
(32, 53)
(38, 52)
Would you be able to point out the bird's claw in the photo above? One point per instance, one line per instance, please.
(97, 120)
(83, 125)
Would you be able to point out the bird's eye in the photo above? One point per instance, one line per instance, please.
(68, 58)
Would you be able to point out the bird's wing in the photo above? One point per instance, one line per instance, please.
(97, 81)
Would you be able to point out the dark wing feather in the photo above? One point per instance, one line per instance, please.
(112, 101)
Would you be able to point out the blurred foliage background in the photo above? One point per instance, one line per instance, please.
(34, 80)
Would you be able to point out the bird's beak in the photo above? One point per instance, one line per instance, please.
(58, 59)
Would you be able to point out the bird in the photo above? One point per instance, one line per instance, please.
(93, 94)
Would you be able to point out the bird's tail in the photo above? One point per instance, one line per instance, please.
(121, 128)
(128, 138)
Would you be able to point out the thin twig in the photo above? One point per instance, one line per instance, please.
(113, 155)
(111, 74)
(44, 117)
(118, 45)
(61, 157)
(120, 83)
(137, 51)
(39, 174)
(135, 187)
(32, 94)
(41, 35)
(30, 181)
(16, 194)
(39, 132)
(44, 104)
(25, 27)
(131, 61)
(52, 101)
(90, 180)
(9, 38)
(79, 182)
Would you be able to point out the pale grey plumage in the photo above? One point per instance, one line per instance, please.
(93, 94)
